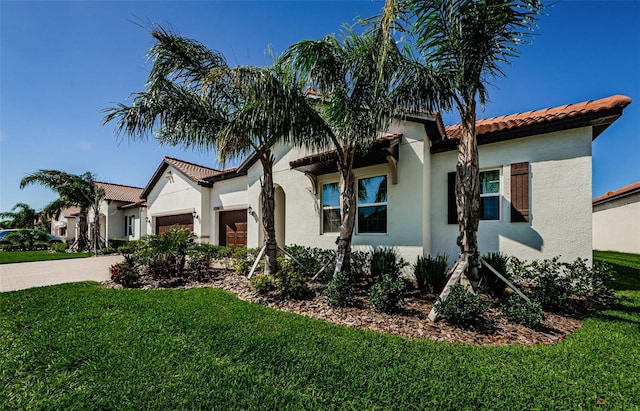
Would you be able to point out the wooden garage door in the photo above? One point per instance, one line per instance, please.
(183, 221)
(233, 228)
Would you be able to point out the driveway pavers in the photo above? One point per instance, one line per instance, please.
(19, 276)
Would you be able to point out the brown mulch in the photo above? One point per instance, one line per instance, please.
(410, 321)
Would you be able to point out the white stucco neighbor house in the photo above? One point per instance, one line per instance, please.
(535, 177)
(122, 215)
(616, 220)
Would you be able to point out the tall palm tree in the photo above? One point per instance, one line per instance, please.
(359, 94)
(20, 216)
(73, 191)
(464, 43)
(194, 99)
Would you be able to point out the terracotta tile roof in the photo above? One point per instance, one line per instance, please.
(631, 188)
(119, 192)
(542, 116)
(195, 172)
(139, 203)
(69, 212)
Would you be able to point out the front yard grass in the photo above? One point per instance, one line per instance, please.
(81, 346)
(7, 257)
(627, 268)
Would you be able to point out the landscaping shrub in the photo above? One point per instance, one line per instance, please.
(263, 283)
(290, 280)
(387, 292)
(125, 273)
(359, 266)
(214, 251)
(339, 291)
(386, 260)
(312, 258)
(518, 311)
(28, 239)
(117, 242)
(199, 266)
(60, 247)
(593, 282)
(107, 250)
(431, 273)
(129, 247)
(489, 282)
(461, 306)
(243, 258)
(165, 256)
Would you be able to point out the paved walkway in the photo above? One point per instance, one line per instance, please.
(19, 276)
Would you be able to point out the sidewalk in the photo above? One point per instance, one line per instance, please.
(19, 276)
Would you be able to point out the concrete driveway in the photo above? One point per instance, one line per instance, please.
(19, 276)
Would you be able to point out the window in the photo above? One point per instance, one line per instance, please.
(330, 208)
(490, 195)
(129, 225)
(372, 205)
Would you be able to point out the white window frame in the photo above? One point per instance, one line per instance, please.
(498, 194)
(358, 205)
(131, 225)
(323, 207)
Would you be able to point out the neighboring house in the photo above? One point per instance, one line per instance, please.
(616, 220)
(122, 215)
(65, 225)
(535, 182)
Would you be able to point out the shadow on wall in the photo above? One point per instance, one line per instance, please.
(521, 233)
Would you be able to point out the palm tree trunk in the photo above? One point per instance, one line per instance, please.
(468, 194)
(347, 213)
(268, 214)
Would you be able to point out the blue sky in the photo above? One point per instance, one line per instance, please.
(62, 62)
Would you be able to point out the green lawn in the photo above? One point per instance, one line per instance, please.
(627, 268)
(81, 346)
(7, 257)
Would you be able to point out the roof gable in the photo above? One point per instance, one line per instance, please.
(119, 192)
(194, 172)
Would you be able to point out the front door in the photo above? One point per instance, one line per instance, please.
(233, 228)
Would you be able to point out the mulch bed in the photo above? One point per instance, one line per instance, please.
(410, 321)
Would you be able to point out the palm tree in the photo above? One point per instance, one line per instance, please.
(73, 191)
(20, 216)
(464, 43)
(359, 94)
(194, 99)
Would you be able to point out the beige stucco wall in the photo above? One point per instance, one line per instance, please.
(178, 195)
(560, 198)
(406, 210)
(616, 225)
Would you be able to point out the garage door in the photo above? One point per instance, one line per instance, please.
(233, 228)
(180, 221)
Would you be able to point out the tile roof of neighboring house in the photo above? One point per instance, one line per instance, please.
(119, 192)
(597, 113)
(69, 212)
(621, 192)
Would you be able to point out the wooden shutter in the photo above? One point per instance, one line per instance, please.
(520, 192)
(452, 211)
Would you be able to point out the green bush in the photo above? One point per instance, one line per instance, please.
(461, 306)
(359, 266)
(386, 260)
(125, 273)
(60, 247)
(243, 258)
(263, 283)
(165, 256)
(290, 280)
(117, 242)
(214, 251)
(28, 239)
(489, 282)
(593, 283)
(199, 266)
(339, 291)
(312, 258)
(518, 311)
(431, 273)
(387, 292)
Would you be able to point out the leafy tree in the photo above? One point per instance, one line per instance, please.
(464, 43)
(194, 99)
(27, 239)
(358, 95)
(20, 216)
(73, 191)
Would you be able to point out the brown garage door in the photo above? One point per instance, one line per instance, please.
(233, 228)
(181, 221)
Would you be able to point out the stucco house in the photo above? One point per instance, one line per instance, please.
(535, 177)
(616, 220)
(122, 215)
